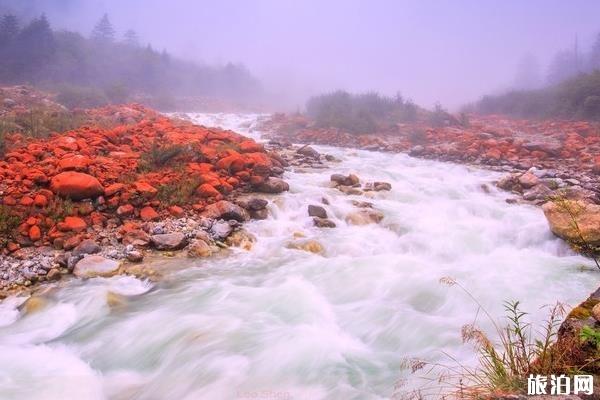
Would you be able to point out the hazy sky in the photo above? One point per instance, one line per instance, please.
(451, 51)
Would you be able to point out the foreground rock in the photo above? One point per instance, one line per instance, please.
(574, 221)
(95, 266)
(273, 185)
(169, 241)
(76, 185)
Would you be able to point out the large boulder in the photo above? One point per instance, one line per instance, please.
(93, 266)
(574, 220)
(225, 210)
(169, 241)
(273, 185)
(76, 185)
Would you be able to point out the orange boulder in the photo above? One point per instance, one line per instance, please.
(76, 185)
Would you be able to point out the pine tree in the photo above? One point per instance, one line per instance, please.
(131, 38)
(9, 29)
(104, 31)
(595, 54)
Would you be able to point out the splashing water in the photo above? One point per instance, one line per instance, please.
(279, 323)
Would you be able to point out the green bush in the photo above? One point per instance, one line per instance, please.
(9, 221)
(359, 113)
(159, 156)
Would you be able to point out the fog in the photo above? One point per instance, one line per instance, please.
(451, 52)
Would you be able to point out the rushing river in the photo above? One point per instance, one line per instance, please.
(278, 323)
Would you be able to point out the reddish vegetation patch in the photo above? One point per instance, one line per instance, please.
(489, 140)
(145, 166)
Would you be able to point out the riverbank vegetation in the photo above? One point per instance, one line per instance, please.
(575, 98)
(369, 112)
(507, 356)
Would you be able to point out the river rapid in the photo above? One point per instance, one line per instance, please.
(279, 323)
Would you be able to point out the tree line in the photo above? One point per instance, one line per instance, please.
(103, 68)
(571, 89)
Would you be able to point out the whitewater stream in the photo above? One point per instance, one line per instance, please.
(279, 323)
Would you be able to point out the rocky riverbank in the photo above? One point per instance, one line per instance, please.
(544, 160)
(127, 181)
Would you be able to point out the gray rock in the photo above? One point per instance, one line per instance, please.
(316, 211)
(94, 265)
(308, 151)
(221, 229)
(169, 241)
(88, 246)
(254, 204)
(379, 186)
(323, 222)
(259, 214)
(273, 185)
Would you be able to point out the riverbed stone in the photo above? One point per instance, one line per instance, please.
(364, 217)
(563, 214)
(169, 241)
(323, 222)
(199, 249)
(273, 185)
(87, 246)
(93, 265)
(310, 245)
(316, 211)
(225, 210)
(241, 238)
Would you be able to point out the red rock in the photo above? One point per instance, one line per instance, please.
(148, 214)
(206, 190)
(40, 200)
(12, 246)
(9, 201)
(250, 146)
(145, 189)
(26, 201)
(76, 185)
(35, 233)
(71, 242)
(176, 211)
(125, 210)
(74, 224)
(74, 163)
(113, 189)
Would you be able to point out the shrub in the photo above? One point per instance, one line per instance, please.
(505, 365)
(59, 208)
(358, 113)
(159, 156)
(9, 221)
(178, 192)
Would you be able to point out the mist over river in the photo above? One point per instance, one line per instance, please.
(279, 323)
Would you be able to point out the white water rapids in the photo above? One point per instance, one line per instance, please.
(278, 323)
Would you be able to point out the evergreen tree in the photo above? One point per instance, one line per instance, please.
(563, 66)
(104, 31)
(595, 54)
(9, 29)
(131, 38)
